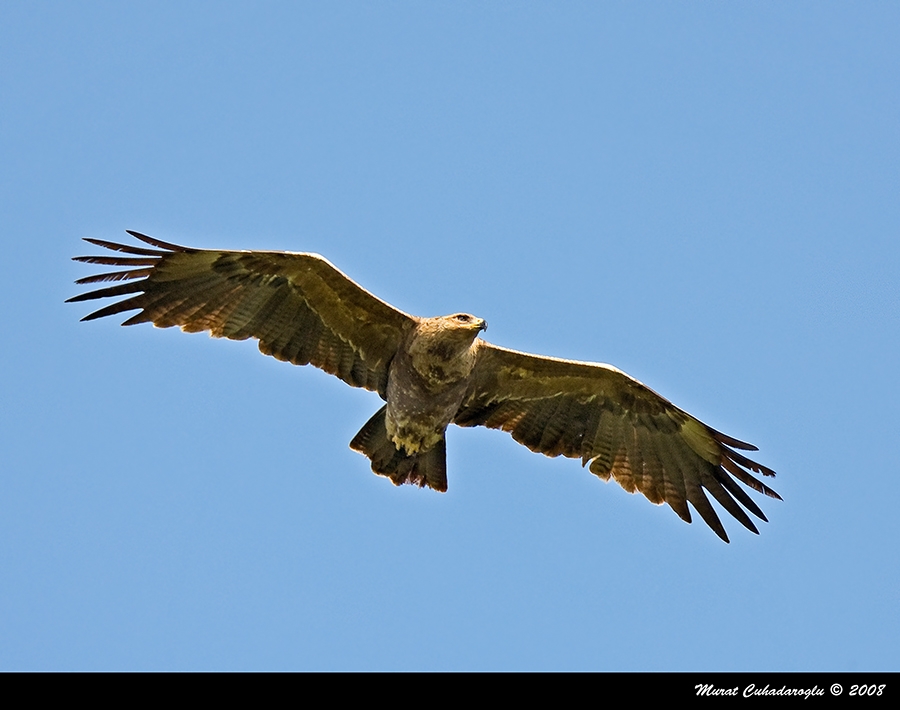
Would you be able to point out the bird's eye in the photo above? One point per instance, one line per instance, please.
(463, 318)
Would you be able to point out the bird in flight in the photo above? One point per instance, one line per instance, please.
(433, 372)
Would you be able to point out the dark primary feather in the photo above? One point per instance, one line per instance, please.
(618, 427)
(299, 307)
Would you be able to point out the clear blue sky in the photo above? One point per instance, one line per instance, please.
(702, 194)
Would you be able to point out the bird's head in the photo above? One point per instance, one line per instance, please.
(447, 337)
(465, 322)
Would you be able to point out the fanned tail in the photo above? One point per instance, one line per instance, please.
(425, 469)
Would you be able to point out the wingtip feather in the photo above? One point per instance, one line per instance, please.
(731, 441)
(153, 241)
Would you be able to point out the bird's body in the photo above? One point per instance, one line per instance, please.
(432, 372)
(427, 382)
(428, 379)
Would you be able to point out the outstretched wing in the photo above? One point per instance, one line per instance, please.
(300, 307)
(618, 426)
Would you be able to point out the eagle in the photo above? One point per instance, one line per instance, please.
(432, 372)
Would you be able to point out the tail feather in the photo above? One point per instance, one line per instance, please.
(428, 468)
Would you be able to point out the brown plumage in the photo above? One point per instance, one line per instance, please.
(432, 372)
